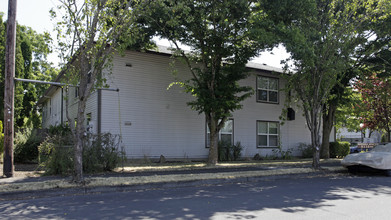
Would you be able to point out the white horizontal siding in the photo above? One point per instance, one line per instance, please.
(291, 132)
(162, 123)
(52, 110)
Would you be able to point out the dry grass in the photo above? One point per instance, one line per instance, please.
(7, 185)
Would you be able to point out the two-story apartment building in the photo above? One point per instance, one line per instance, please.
(154, 120)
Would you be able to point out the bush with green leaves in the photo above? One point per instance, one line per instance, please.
(62, 130)
(229, 152)
(27, 141)
(282, 154)
(100, 153)
(55, 155)
(307, 151)
(339, 149)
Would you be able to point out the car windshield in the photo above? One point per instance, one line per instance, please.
(382, 148)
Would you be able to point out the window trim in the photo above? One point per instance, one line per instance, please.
(278, 134)
(278, 89)
(76, 91)
(206, 132)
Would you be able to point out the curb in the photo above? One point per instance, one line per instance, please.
(194, 181)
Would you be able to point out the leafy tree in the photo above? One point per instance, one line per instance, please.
(340, 96)
(222, 36)
(322, 45)
(375, 109)
(89, 33)
(347, 114)
(31, 53)
(374, 56)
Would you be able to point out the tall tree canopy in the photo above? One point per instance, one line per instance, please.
(31, 53)
(375, 109)
(89, 33)
(222, 36)
(322, 45)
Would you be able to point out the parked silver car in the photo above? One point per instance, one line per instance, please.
(379, 158)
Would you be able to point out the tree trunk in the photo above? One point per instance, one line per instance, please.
(328, 121)
(78, 159)
(315, 138)
(79, 142)
(316, 147)
(214, 141)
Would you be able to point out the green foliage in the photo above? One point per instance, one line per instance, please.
(229, 152)
(100, 153)
(26, 145)
(282, 154)
(375, 108)
(307, 151)
(61, 130)
(31, 63)
(339, 149)
(323, 41)
(223, 36)
(88, 35)
(55, 155)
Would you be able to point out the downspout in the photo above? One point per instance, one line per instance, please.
(62, 106)
(99, 119)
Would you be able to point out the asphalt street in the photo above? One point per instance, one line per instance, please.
(331, 197)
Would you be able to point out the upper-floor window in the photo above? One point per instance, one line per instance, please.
(226, 134)
(267, 89)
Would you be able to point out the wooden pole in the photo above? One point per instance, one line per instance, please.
(8, 168)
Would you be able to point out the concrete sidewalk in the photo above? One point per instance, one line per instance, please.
(26, 187)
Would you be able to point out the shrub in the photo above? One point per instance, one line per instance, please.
(100, 153)
(339, 149)
(55, 156)
(285, 155)
(26, 145)
(62, 130)
(229, 152)
(306, 150)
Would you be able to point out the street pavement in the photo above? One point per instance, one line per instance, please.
(33, 187)
(294, 197)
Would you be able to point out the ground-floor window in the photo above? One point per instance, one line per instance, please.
(267, 134)
(226, 134)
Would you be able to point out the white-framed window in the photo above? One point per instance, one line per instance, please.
(267, 134)
(226, 134)
(267, 89)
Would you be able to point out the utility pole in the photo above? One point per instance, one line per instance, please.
(8, 168)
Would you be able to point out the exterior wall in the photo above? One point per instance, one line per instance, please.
(156, 121)
(292, 133)
(52, 108)
(161, 122)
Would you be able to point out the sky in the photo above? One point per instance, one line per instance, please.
(35, 14)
